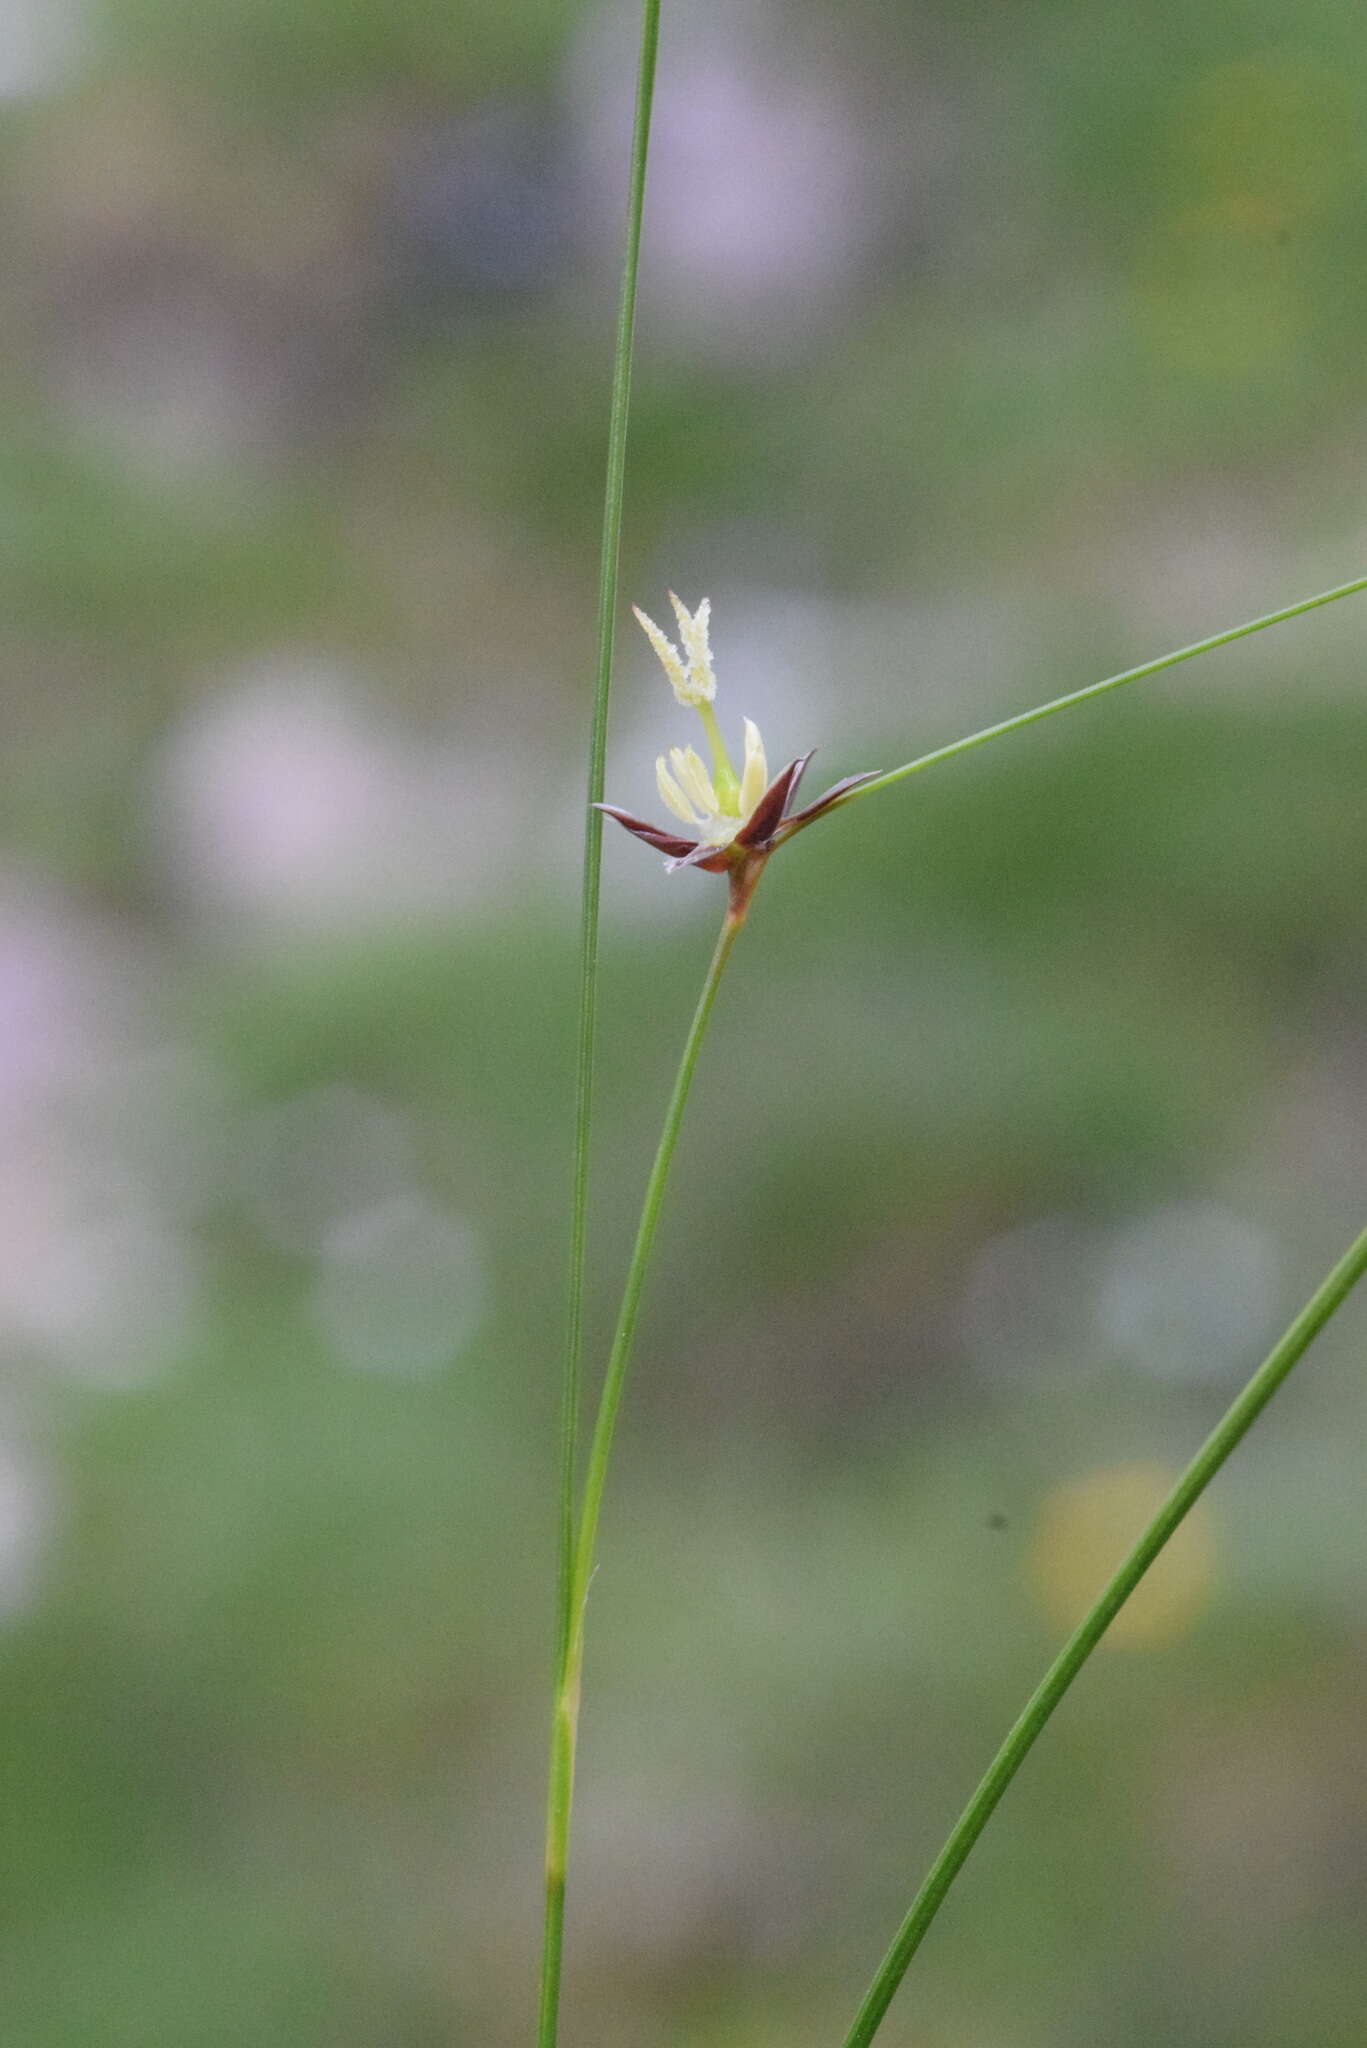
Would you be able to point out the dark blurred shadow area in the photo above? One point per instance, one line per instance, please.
(982, 352)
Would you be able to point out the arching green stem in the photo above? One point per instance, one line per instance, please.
(1224, 1438)
(1129, 675)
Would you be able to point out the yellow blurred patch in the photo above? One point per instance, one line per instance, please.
(1219, 291)
(1260, 150)
(1083, 1529)
(1271, 131)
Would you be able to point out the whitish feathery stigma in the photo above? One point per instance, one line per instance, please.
(668, 653)
(690, 673)
(693, 633)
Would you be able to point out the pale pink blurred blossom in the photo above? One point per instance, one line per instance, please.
(287, 800)
(27, 1524)
(66, 997)
(95, 1281)
(763, 198)
(40, 41)
(400, 1288)
(308, 1164)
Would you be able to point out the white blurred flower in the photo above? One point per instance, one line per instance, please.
(40, 40)
(287, 801)
(767, 180)
(400, 1288)
(1188, 1293)
(96, 1282)
(27, 1515)
(310, 1163)
(1025, 1307)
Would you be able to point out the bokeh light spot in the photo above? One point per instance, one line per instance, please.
(400, 1288)
(1083, 1529)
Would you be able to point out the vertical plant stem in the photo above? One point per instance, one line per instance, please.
(608, 564)
(1223, 1439)
(565, 1721)
(609, 557)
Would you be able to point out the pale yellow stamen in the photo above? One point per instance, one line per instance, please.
(693, 778)
(755, 775)
(674, 796)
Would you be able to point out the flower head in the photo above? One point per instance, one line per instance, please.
(735, 821)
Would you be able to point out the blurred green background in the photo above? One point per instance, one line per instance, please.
(984, 349)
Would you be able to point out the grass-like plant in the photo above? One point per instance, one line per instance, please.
(732, 825)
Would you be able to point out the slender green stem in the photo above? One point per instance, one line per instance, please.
(620, 1356)
(608, 565)
(565, 1721)
(1223, 1439)
(609, 557)
(1129, 675)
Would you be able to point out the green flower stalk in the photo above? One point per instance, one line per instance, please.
(738, 821)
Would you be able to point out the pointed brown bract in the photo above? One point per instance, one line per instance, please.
(766, 828)
(663, 842)
(797, 819)
(767, 815)
(715, 859)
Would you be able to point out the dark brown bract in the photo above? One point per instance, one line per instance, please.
(768, 825)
